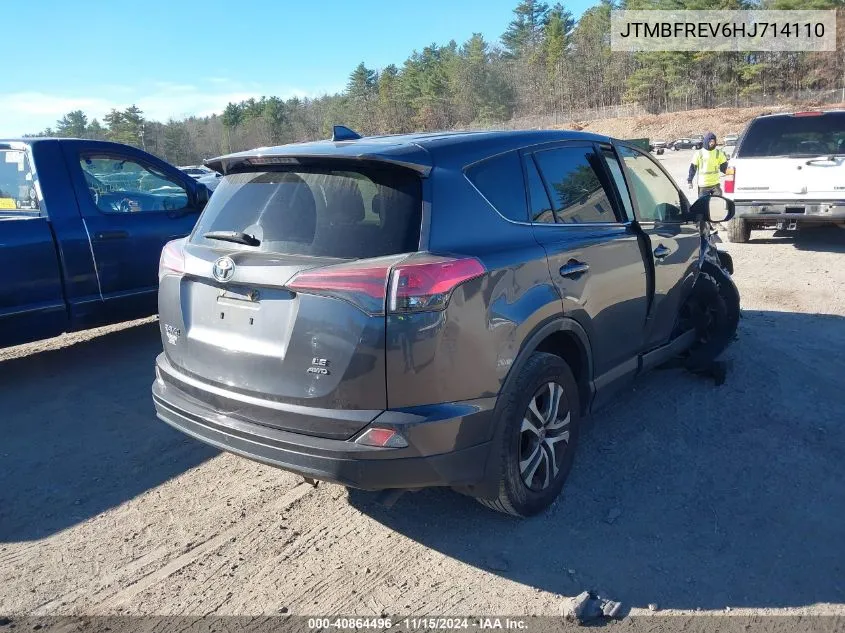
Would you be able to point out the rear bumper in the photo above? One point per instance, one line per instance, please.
(815, 211)
(448, 444)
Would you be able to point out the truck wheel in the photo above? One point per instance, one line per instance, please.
(713, 310)
(540, 414)
(739, 230)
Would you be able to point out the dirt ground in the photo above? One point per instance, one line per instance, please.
(685, 495)
(674, 125)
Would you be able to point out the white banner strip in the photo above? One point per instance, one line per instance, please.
(723, 31)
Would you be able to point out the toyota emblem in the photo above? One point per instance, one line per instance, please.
(223, 269)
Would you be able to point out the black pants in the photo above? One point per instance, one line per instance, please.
(715, 190)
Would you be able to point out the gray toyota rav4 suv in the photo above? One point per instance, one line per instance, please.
(399, 312)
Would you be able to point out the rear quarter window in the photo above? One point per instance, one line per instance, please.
(500, 180)
(17, 189)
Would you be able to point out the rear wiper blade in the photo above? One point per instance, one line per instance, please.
(233, 236)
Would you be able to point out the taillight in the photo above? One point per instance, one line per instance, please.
(362, 283)
(730, 179)
(426, 282)
(419, 283)
(172, 261)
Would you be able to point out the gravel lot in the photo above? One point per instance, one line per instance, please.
(726, 496)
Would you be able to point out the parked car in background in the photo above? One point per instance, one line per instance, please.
(197, 171)
(659, 147)
(333, 315)
(82, 225)
(686, 143)
(787, 172)
(210, 180)
(729, 144)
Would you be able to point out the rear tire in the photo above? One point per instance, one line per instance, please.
(536, 436)
(739, 231)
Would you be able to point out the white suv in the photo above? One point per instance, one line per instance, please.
(788, 170)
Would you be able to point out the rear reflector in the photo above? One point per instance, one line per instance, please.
(383, 438)
(172, 261)
(730, 179)
(422, 282)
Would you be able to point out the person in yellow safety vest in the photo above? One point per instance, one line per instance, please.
(709, 162)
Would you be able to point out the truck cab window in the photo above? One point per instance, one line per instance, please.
(123, 185)
(17, 186)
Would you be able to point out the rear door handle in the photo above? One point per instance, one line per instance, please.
(661, 252)
(573, 269)
(111, 235)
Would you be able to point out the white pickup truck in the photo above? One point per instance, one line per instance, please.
(788, 171)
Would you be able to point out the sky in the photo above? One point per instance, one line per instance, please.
(176, 59)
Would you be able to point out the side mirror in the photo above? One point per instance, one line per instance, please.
(202, 196)
(715, 208)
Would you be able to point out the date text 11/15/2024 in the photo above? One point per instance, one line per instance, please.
(421, 623)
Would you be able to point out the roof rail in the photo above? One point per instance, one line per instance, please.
(343, 133)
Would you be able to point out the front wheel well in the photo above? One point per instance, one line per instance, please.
(566, 345)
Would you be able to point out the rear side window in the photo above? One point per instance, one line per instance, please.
(573, 177)
(499, 179)
(349, 214)
(813, 135)
(17, 190)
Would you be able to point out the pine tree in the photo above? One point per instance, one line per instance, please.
(72, 125)
(524, 33)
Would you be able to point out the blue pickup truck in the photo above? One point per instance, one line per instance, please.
(82, 226)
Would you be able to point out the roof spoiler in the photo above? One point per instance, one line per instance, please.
(226, 164)
(343, 133)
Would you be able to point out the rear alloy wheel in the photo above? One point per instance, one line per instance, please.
(544, 437)
(539, 414)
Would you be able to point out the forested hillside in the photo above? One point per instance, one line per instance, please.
(546, 68)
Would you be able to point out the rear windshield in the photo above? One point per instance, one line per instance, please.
(348, 214)
(794, 136)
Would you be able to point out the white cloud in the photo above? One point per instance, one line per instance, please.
(30, 112)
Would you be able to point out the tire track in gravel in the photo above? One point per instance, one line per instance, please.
(126, 595)
(105, 600)
(345, 562)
